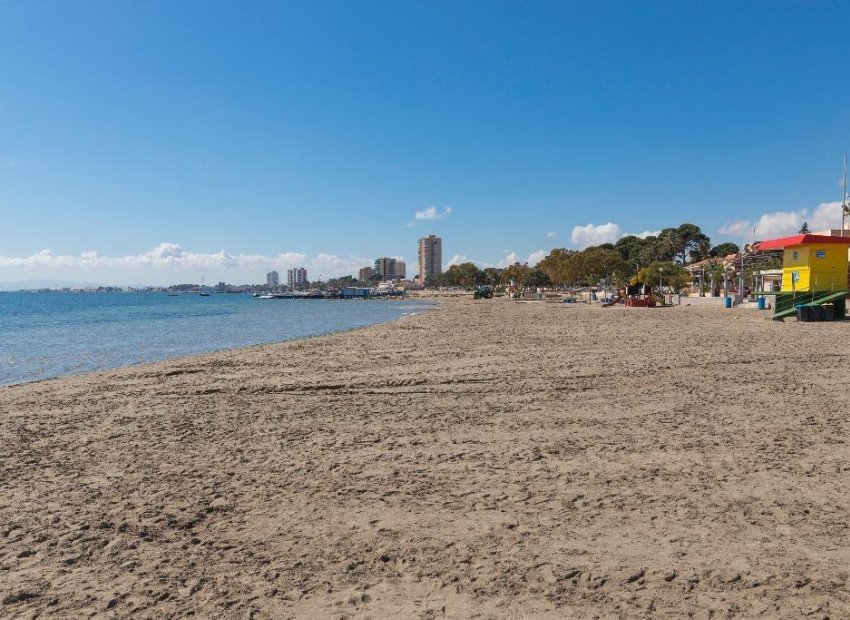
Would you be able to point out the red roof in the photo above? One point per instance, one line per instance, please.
(785, 242)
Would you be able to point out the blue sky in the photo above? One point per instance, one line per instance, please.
(161, 141)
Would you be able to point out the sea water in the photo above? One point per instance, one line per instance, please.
(46, 335)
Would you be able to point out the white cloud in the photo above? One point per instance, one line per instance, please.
(536, 257)
(592, 234)
(736, 228)
(431, 213)
(457, 259)
(170, 262)
(781, 223)
(645, 234)
(551, 234)
(508, 259)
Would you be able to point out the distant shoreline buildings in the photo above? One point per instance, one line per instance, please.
(430, 257)
(384, 269)
(389, 268)
(296, 278)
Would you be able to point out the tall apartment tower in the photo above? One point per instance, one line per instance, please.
(272, 279)
(296, 278)
(430, 257)
(386, 267)
(400, 269)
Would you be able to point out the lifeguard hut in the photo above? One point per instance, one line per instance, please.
(814, 273)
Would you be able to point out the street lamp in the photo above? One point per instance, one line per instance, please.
(660, 272)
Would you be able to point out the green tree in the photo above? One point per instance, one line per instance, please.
(630, 248)
(492, 276)
(537, 277)
(804, 229)
(464, 274)
(559, 266)
(342, 282)
(596, 264)
(654, 249)
(716, 272)
(667, 273)
(701, 249)
(518, 272)
(724, 249)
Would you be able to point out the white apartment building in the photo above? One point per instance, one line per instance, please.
(296, 278)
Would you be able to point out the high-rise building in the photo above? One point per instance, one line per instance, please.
(272, 279)
(400, 269)
(296, 278)
(365, 274)
(386, 267)
(430, 257)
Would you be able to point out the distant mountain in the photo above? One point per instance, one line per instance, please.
(28, 285)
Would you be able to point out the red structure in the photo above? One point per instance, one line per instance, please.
(639, 296)
(635, 296)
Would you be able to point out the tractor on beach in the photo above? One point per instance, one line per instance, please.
(483, 292)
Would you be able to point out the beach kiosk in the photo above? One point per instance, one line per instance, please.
(814, 276)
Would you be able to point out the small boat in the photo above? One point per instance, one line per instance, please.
(204, 294)
(268, 296)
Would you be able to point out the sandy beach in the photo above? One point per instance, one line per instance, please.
(487, 459)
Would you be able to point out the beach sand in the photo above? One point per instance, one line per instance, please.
(490, 458)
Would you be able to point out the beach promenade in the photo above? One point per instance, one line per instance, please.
(489, 458)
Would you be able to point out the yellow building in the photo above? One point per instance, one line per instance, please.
(812, 262)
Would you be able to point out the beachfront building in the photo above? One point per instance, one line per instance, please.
(400, 269)
(365, 274)
(752, 269)
(354, 292)
(272, 279)
(296, 278)
(386, 268)
(430, 257)
(812, 263)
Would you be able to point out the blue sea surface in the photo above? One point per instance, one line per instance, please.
(46, 335)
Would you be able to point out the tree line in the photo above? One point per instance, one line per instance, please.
(652, 259)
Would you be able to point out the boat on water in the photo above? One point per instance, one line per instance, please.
(269, 296)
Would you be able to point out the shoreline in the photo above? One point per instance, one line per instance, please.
(491, 458)
(434, 305)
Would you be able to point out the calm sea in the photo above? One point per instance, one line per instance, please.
(45, 335)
